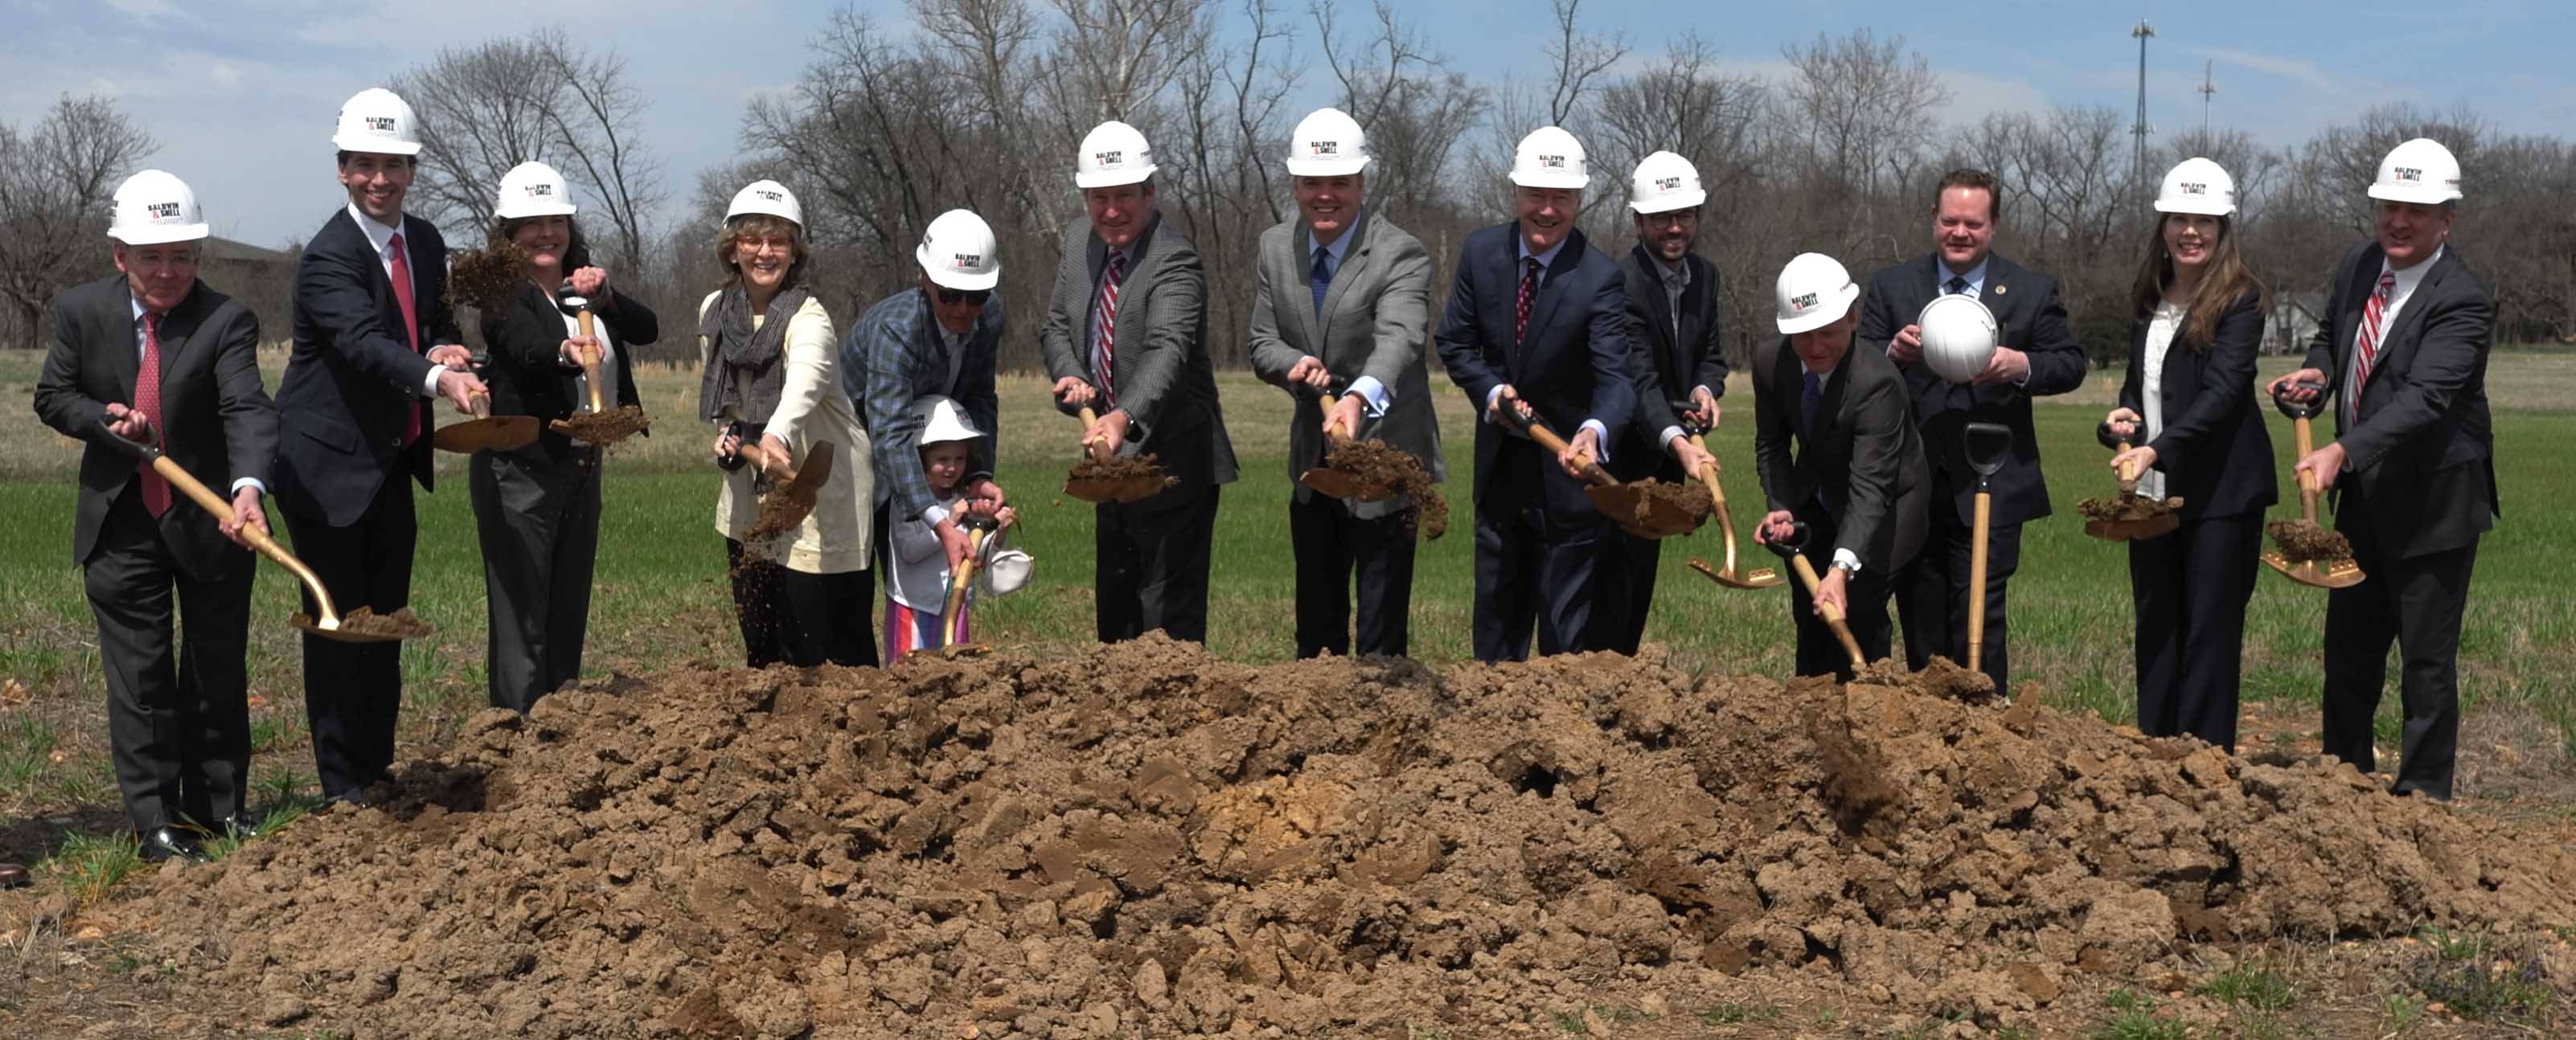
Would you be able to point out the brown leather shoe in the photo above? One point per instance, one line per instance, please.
(12, 875)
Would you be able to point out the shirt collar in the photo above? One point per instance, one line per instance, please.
(1677, 277)
(379, 235)
(1546, 259)
(1340, 245)
(2411, 277)
(1976, 276)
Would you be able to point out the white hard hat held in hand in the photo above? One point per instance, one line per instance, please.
(1550, 158)
(2420, 171)
(1113, 153)
(766, 197)
(1813, 291)
(1959, 336)
(1006, 569)
(958, 251)
(533, 189)
(375, 120)
(942, 421)
(2197, 185)
(1665, 182)
(1327, 143)
(153, 207)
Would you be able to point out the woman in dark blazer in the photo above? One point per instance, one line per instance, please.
(536, 508)
(2189, 405)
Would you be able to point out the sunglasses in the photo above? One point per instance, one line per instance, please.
(953, 297)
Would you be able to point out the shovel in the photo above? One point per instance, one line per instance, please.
(959, 582)
(1757, 578)
(1615, 500)
(597, 426)
(788, 504)
(1340, 483)
(360, 626)
(1098, 490)
(1788, 550)
(486, 431)
(2107, 530)
(1986, 444)
(2323, 574)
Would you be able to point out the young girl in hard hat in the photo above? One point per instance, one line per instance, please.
(2188, 404)
(917, 579)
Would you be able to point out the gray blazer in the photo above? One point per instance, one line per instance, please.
(1376, 321)
(1163, 379)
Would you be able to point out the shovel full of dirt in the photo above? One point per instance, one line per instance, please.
(1640, 508)
(485, 431)
(792, 499)
(357, 626)
(1345, 480)
(2309, 554)
(2130, 516)
(600, 426)
(1101, 479)
(1374, 471)
(1788, 549)
(1986, 445)
(1757, 578)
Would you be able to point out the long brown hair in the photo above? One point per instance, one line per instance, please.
(2225, 281)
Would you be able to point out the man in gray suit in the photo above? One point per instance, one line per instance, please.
(1344, 305)
(1126, 335)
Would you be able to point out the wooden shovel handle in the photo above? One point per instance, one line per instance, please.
(589, 358)
(206, 499)
(1983, 518)
(957, 583)
(2128, 468)
(481, 402)
(1329, 402)
(1089, 419)
(1833, 616)
(1556, 445)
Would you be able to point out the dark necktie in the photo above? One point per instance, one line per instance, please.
(1321, 277)
(147, 400)
(1108, 365)
(1529, 292)
(398, 271)
(1955, 285)
(1811, 396)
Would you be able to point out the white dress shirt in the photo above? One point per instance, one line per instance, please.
(382, 237)
(2151, 389)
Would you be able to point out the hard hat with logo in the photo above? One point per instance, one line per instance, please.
(1665, 182)
(533, 189)
(1113, 153)
(942, 421)
(375, 120)
(1550, 158)
(958, 251)
(2420, 171)
(766, 197)
(1814, 291)
(1959, 336)
(2197, 185)
(153, 207)
(1327, 143)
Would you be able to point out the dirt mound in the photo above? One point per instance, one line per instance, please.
(1144, 841)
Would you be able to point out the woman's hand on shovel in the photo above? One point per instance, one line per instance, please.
(2143, 456)
(773, 457)
(2122, 422)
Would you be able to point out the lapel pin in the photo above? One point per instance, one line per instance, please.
(2002, 289)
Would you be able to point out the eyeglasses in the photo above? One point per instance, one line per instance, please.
(953, 297)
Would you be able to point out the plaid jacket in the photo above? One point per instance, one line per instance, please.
(894, 356)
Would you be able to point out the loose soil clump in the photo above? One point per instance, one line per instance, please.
(778, 516)
(483, 278)
(2128, 507)
(2302, 540)
(1117, 467)
(606, 428)
(1380, 464)
(1661, 496)
(1142, 840)
(365, 622)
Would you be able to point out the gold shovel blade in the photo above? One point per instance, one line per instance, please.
(2133, 530)
(1621, 503)
(498, 433)
(1336, 483)
(2328, 574)
(1756, 578)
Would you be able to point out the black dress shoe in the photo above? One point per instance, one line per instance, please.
(12, 875)
(162, 843)
(242, 826)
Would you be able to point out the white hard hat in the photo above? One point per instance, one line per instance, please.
(2420, 170)
(942, 421)
(533, 189)
(958, 251)
(1327, 143)
(1550, 158)
(1006, 570)
(1665, 182)
(1814, 291)
(2197, 185)
(375, 120)
(768, 197)
(153, 207)
(1113, 153)
(1959, 336)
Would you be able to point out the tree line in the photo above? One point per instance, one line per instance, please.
(980, 103)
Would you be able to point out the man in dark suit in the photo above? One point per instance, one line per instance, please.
(2037, 356)
(1673, 359)
(153, 356)
(1537, 322)
(2403, 356)
(375, 342)
(1344, 300)
(1126, 334)
(1858, 480)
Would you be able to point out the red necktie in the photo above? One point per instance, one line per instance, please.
(2365, 348)
(147, 400)
(1109, 326)
(1529, 292)
(401, 276)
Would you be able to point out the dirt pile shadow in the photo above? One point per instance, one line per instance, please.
(1143, 840)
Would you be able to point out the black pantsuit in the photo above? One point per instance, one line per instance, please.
(1150, 564)
(2190, 588)
(802, 620)
(179, 736)
(353, 691)
(1332, 547)
(538, 524)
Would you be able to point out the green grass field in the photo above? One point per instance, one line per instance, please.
(660, 598)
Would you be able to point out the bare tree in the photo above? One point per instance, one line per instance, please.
(1865, 107)
(1414, 110)
(56, 179)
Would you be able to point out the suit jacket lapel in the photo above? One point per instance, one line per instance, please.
(2410, 322)
(1301, 272)
(1551, 285)
(1660, 305)
(178, 330)
(124, 358)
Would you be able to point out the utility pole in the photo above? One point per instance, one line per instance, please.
(2206, 89)
(2138, 150)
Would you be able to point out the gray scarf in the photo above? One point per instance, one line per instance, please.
(745, 368)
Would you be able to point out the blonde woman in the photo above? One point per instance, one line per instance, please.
(771, 378)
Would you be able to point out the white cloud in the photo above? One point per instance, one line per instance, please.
(2307, 73)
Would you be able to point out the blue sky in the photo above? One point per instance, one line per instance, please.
(241, 95)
